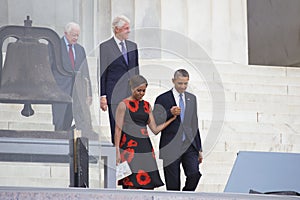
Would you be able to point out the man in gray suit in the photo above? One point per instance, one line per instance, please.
(78, 86)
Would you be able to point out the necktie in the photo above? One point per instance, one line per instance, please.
(124, 52)
(71, 55)
(181, 105)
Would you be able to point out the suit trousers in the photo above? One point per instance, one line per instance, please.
(190, 164)
(62, 116)
(112, 114)
(68, 118)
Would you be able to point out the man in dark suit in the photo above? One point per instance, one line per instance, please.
(118, 63)
(180, 142)
(78, 86)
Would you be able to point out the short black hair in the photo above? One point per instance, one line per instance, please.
(136, 81)
(181, 72)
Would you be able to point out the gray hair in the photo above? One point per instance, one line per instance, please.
(69, 26)
(119, 21)
(181, 72)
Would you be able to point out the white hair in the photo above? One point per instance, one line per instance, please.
(119, 21)
(71, 25)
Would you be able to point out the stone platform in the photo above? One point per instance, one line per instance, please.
(22, 193)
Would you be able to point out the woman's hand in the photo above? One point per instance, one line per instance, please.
(174, 117)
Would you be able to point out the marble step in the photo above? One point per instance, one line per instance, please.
(257, 127)
(255, 70)
(219, 188)
(45, 182)
(8, 116)
(26, 126)
(235, 78)
(165, 69)
(214, 178)
(34, 170)
(234, 101)
(270, 107)
(41, 108)
(252, 127)
(261, 80)
(259, 71)
(83, 194)
(236, 146)
(42, 175)
(215, 167)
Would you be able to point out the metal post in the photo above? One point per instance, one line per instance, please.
(79, 160)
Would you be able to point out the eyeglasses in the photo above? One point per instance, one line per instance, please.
(74, 35)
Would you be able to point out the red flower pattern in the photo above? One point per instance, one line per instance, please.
(143, 177)
(132, 105)
(127, 154)
(132, 143)
(146, 107)
(123, 140)
(127, 182)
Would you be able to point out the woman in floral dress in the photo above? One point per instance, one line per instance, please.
(132, 140)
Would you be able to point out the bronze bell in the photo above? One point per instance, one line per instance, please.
(26, 77)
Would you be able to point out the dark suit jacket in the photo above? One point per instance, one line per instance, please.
(114, 71)
(81, 68)
(79, 87)
(171, 137)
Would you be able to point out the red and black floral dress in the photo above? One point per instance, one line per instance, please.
(136, 147)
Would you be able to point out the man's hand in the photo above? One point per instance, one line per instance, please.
(103, 103)
(200, 158)
(175, 110)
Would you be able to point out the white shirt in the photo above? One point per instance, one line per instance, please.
(177, 97)
(73, 49)
(118, 43)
